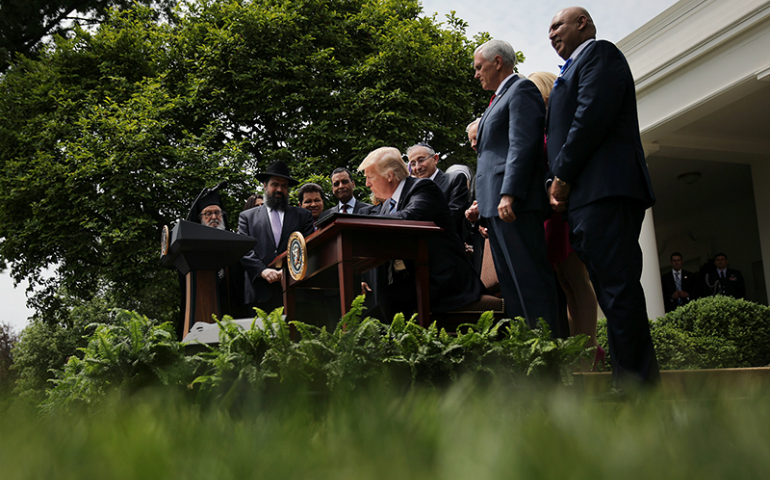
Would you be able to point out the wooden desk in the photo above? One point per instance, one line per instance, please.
(354, 246)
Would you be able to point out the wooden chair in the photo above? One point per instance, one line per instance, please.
(492, 300)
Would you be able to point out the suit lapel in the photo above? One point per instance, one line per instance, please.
(495, 102)
(263, 222)
(402, 200)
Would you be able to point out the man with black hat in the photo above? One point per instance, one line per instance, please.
(271, 224)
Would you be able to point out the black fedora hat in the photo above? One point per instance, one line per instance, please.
(277, 169)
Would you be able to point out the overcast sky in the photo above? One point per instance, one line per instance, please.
(523, 24)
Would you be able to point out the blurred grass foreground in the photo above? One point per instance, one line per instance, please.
(465, 431)
(370, 400)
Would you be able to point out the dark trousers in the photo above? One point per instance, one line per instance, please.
(605, 235)
(519, 252)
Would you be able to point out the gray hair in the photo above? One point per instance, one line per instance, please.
(493, 48)
(475, 122)
(427, 148)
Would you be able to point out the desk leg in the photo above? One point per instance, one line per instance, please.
(422, 282)
(288, 301)
(345, 271)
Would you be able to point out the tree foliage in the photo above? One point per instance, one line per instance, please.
(109, 135)
(45, 346)
(8, 339)
(24, 24)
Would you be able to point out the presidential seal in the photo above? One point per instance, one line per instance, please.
(297, 253)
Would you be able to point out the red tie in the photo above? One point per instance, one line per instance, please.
(345, 208)
(492, 99)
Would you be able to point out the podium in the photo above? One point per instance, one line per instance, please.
(350, 245)
(198, 252)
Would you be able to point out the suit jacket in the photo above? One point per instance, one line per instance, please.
(593, 129)
(732, 286)
(510, 150)
(453, 282)
(690, 284)
(255, 223)
(356, 208)
(454, 186)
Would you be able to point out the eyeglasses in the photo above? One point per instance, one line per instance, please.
(420, 160)
(218, 213)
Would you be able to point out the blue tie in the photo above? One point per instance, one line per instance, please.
(563, 69)
(392, 206)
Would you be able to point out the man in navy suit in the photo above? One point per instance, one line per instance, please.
(600, 177)
(423, 162)
(271, 224)
(342, 189)
(509, 184)
(680, 287)
(453, 281)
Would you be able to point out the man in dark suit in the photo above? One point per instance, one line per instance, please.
(423, 162)
(511, 200)
(271, 224)
(723, 280)
(599, 173)
(679, 286)
(453, 282)
(342, 189)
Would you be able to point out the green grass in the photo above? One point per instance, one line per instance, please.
(461, 432)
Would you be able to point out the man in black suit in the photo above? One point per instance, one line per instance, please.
(600, 175)
(271, 224)
(509, 184)
(342, 189)
(679, 286)
(423, 162)
(453, 282)
(723, 280)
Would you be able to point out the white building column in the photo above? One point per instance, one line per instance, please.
(760, 178)
(653, 290)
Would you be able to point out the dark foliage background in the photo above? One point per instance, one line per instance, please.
(109, 134)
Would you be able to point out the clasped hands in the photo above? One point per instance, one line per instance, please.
(271, 275)
(679, 294)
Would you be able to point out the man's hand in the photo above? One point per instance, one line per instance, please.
(271, 275)
(505, 209)
(483, 231)
(558, 195)
(472, 214)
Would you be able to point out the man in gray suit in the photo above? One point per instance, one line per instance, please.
(509, 184)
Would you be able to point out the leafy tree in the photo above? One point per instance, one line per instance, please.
(109, 135)
(7, 340)
(45, 346)
(25, 23)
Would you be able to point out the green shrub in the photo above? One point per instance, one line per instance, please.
(745, 324)
(361, 350)
(678, 349)
(265, 362)
(711, 332)
(128, 356)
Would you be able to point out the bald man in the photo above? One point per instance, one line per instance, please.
(600, 178)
